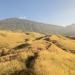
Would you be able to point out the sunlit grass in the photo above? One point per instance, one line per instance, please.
(44, 56)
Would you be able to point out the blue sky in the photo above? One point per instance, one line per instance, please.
(59, 12)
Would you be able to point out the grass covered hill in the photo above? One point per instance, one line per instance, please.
(31, 53)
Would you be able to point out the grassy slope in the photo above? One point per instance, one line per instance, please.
(35, 54)
(64, 42)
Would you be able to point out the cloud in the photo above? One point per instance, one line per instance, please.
(22, 17)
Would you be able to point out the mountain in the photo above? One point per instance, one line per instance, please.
(70, 30)
(27, 25)
(32, 26)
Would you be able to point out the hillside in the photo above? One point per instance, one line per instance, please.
(27, 25)
(70, 30)
(30, 53)
(17, 24)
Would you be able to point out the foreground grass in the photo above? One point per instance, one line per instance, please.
(36, 54)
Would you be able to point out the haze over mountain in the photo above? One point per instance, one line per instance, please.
(28, 25)
(70, 29)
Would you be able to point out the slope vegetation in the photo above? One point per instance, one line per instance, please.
(33, 53)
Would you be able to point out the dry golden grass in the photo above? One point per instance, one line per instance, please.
(32, 53)
(11, 67)
(64, 42)
(50, 63)
(9, 39)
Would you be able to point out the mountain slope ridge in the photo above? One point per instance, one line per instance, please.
(28, 25)
(33, 26)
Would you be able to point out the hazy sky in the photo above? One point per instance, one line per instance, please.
(61, 12)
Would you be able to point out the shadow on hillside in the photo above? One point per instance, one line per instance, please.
(25, 45)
